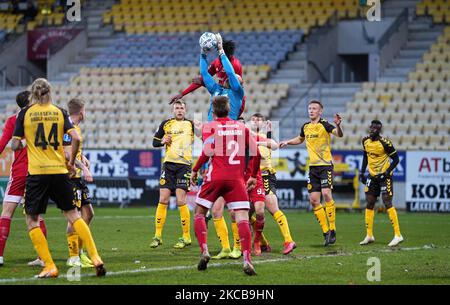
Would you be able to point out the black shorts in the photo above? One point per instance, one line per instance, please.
(40, 188)
(175, 176)
(82, 192)
(270, 183)
(376, 186)
(320, 177)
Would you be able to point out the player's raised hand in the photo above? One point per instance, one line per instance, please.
(251, 183)
(175, 98)
(337, 119)
(194, 178)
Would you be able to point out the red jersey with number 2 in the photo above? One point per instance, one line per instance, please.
(225, 141)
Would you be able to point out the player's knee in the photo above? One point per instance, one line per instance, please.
(8, 209)
(327, 196)
(387, 204)
(370, 206)
(32, 221)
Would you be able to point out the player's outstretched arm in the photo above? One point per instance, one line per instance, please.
(294, 141)
(208, 80)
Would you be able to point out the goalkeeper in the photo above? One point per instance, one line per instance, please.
(216, 68)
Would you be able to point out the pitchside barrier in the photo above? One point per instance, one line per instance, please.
(131, 177)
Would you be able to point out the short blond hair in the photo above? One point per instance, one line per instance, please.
(75, 106)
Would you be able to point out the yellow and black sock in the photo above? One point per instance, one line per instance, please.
(185, 217)
(321, 217)
(282, 222)
(83, 231)
(160, 219)
(236, 240)
(331, 214)
(41, 246)
(72, 242)
(222, 232)
(370, 215)
(392, 212)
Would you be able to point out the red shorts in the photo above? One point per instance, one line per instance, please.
(232, 191)
(258, 193)
(15, 189)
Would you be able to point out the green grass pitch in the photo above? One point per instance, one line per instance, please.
(123, 236)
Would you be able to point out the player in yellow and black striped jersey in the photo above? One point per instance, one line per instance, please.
(177, 135)
(377, 154)
(43, 125)
(317, 134)
(77, 257)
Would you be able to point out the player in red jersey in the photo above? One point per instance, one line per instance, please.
(216, 68)
(226, 147)
(16, 184)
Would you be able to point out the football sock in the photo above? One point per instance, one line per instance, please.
(394, 220)
(160, 219)
(5, 226)
(259, 226)
(236, 239)
(370, 215)
(185, 217)
(263, 240)
(222, 232)
(72, 242)
(321, 217)
(43, 227)
(280, 218)
(331, 214)
(201, 232)
(41, 246)
(246, 239)
(83, 231)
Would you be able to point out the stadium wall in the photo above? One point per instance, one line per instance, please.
(67, 54)
(15, 56)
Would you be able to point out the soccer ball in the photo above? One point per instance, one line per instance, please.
(207, 41)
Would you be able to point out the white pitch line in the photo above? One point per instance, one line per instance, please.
(256, 262)
(97, 217)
